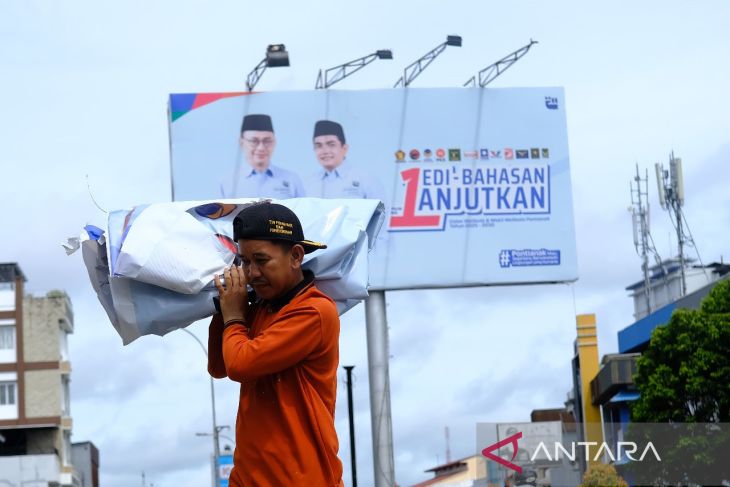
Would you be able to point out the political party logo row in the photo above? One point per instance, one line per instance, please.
(454, 155)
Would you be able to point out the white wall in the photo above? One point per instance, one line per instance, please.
(7, 297)
(29, 470)
(696, 279)
(663, 293)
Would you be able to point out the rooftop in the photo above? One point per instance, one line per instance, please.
(10, 271)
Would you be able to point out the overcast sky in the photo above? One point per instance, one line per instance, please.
(85, 87)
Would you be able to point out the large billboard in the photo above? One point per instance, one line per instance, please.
(476, 182)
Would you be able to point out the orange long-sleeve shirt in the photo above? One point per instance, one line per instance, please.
(287, 366)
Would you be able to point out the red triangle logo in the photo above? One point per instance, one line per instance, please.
(487, 452)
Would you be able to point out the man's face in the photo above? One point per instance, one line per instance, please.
(269, 268)
(258, 145)
(330, 151)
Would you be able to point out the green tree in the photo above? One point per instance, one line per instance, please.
(684, 375)
(602, 475)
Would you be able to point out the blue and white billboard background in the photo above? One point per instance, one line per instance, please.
(476, 181)
(225, 465)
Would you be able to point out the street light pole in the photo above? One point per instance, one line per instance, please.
(350, 414)
(216, 446)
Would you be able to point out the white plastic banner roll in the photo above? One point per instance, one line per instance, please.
(153, 268)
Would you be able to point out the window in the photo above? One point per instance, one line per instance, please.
(7, 337)
(7, 393)
(65, 396)
(67, 448)
(63, 339)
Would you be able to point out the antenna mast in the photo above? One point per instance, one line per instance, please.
(671, 196)
(640, 219)
(448, 447)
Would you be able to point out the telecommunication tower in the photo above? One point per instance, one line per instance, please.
(640, 219)
(671, 196)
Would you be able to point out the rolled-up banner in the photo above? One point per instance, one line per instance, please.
(153, 268)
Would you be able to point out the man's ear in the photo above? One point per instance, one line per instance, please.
(297, 255)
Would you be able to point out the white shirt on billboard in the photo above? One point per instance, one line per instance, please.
(274, 182)
(343, 181)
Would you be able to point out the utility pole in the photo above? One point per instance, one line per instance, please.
(350, 412)
(216, 428)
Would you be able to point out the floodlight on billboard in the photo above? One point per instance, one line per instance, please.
(453, 41)
(276, 57)
(476, 183)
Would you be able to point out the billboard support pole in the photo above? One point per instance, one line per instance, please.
(382, 430)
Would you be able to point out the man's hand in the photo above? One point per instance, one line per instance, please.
(234, 296)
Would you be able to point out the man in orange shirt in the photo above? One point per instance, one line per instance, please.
(281, 342)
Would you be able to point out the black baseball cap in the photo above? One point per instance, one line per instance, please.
(271, 221)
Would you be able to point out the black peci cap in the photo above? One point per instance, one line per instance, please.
(328, 127)
(271, 221)
(257, 122)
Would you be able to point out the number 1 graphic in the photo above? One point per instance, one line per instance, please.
(409, 217)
